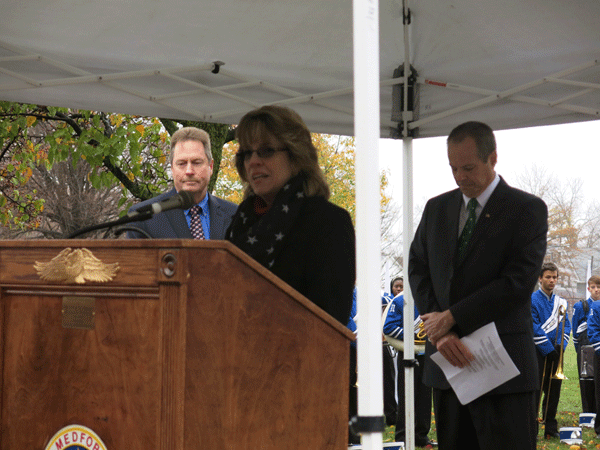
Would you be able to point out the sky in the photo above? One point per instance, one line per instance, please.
(566, 151)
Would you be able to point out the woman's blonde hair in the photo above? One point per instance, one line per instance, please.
(287, 127)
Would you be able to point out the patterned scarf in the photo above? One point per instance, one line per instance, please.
(261, 236)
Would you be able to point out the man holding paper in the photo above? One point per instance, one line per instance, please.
(474, 261)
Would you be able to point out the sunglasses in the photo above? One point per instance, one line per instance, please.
(263, 153)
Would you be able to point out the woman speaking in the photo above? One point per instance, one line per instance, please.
(286, 222)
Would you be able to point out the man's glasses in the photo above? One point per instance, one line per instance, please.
(263, 153)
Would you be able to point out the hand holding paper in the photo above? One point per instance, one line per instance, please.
(490, 368)
(454, 350)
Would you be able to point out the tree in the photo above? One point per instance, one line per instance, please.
(590, 231)
(228, 185)
(70, 202)
(126, 151)
(391, 238)
(336, 157)
(571, 227)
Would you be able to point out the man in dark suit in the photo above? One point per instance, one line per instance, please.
(191, 166)
(461, 283)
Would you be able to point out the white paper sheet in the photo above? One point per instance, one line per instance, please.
(492, 365)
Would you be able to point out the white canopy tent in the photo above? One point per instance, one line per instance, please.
(519, 63)
(515, 63)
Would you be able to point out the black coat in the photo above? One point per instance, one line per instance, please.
(317, 257)
(495, 280)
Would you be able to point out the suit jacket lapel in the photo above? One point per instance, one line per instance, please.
(178, 223)
(453, 214)
(216, 219)
(447, 244)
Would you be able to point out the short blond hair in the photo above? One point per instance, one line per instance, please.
(191, 134)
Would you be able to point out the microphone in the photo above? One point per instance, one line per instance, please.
(183, 200)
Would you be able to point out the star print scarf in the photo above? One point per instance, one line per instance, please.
(261, 236)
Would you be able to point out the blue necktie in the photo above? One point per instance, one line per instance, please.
(463, 240)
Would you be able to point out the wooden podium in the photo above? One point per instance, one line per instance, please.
(184, 345)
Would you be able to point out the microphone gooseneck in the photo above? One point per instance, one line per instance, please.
(182, 200)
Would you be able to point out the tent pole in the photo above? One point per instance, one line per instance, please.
(407, 192)
(368, 212)
(407, 233)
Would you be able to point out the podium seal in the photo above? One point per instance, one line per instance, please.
(75, 437)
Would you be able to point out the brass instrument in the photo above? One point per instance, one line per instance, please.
(559, 373)
(420, 337)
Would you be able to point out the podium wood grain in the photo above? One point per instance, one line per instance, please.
(220, 354)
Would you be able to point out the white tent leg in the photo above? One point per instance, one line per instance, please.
(366, 130)
(407, 235)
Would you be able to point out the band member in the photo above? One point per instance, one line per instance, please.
(394, 327)
(549, 312)
(581, 311)
(593, 334)
(390, 405)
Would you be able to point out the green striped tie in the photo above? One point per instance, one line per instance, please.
(463, 240)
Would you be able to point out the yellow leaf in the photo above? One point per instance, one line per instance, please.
(140, 129)
(116, 120)
(162, 159)
(30, 120)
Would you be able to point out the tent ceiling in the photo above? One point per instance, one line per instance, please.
(518, 63)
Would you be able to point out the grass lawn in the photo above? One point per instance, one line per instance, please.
(569, 408)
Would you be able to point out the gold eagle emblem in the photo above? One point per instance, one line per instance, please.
(76, 266)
